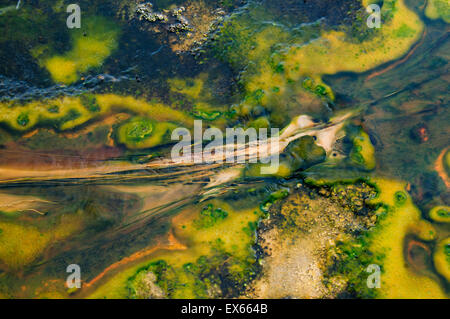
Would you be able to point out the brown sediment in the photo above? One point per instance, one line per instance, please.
(157, 196)
(79, 169)
(440, 169)
(173, 244)
(30, 134)
(398, 62)
(13, 203)
(110, 120)
(411, 245)
(9, 175)
(15, 157)
(107, 171)
(107, 121)
(49, 287)
(110, 141)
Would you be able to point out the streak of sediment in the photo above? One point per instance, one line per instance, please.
(167, 170)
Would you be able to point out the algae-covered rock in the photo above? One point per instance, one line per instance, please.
(363, 152)
(260, 122)
(299, 154)
(140, 132)
(297, 238)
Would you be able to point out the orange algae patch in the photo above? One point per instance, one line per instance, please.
(439, 166)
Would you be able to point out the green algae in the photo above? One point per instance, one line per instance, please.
(255, 98)
(70, 113)
(23, 119)
(440, 214)
(209, 216)
(273, 198)
(446, 161)
(213, 275)
(299, 154)
(441, 258)
(404, 32)
(197, 94)
(254, 50)
(325, 56)
(139, 133)
(276, 63)
(136, 130)
(218, 262)
(330, 173)
(260, 122)
(89, 101)
(91, 45)
(438, 9)
(384, 245)
(351, 263)
(29, 23)
(206, 115)
(21, 243)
